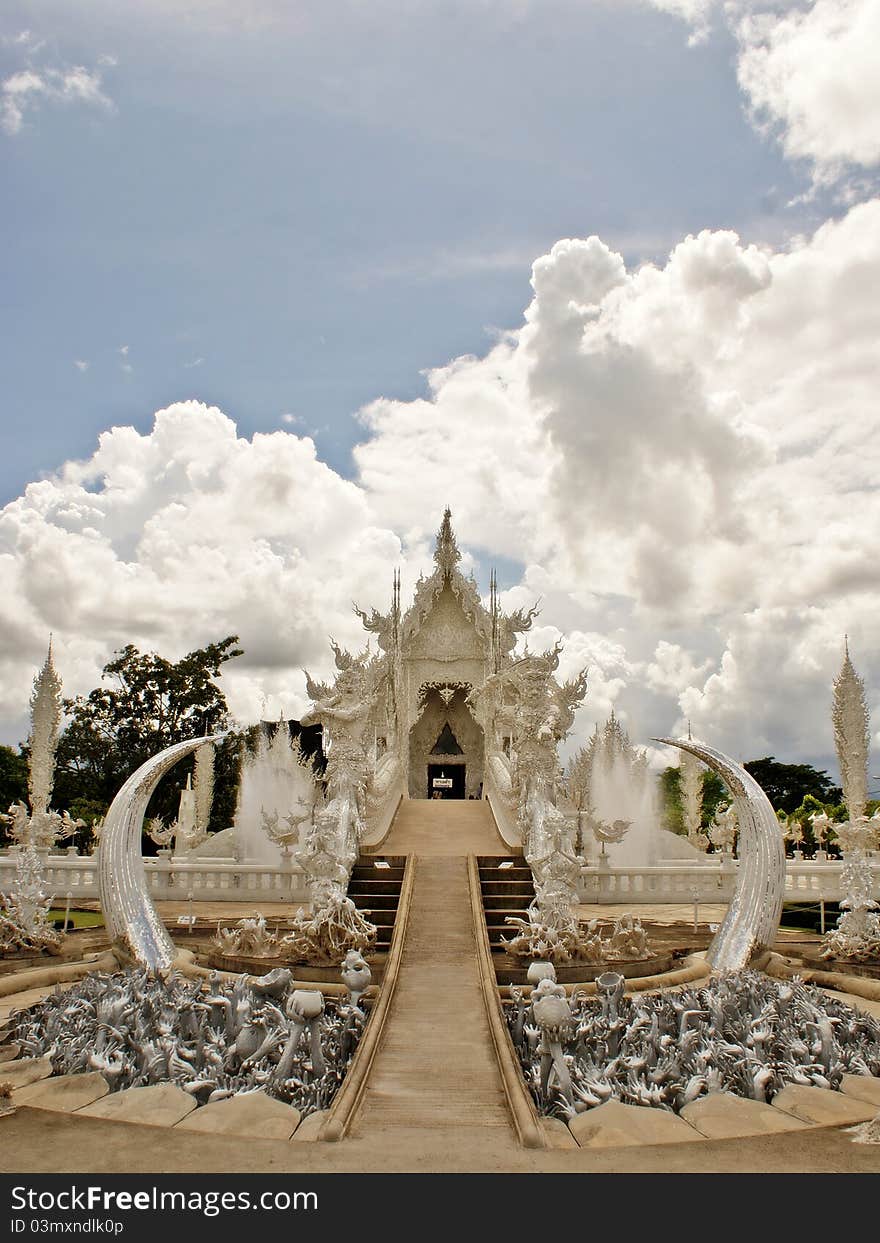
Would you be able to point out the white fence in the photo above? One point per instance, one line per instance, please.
(224, 880)
(207, 880)
(708, 882)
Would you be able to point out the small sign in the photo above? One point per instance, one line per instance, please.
(442, 783)
(381, 863)
(189, 920)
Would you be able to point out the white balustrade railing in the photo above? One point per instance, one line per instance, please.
(225, 880)
(208, 880)
(710, 882)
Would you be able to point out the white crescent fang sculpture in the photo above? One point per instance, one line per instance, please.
(752, 918)
(129, 913)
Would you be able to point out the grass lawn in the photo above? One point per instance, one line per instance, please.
(80, 919)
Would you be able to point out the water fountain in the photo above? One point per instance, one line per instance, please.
(276, 782)
(619, 787)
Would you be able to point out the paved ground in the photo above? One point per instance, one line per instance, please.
(434, 1101)
(435, 1071)
(443, 827)
(36, 1141)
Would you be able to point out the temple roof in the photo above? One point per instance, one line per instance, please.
(496, 629)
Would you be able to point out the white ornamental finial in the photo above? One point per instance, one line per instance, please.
(849, 715)
(45, 720)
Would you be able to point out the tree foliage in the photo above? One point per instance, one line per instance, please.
(671, 807)
(13, 781)
(147, 704)
(787, 785)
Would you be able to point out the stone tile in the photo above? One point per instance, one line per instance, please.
(822, 1106)
(161, 1104)
(63, 1093)
(556, 1134)
(25, 1070)
(721, 1115)
(310, 1126)
(863, 1087)
(614, 1125)
(255, 1114)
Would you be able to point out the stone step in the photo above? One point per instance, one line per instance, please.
(498, 888)
(375, 901)
(507, 902)
(506, 874)
(392, 877)
(355, 885)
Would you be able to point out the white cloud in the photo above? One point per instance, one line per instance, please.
(813, 73)
(175, 538)
(81, 364)
(697, 13)
(809, 73)
(676, 448)
(24, 90)
(684, 458)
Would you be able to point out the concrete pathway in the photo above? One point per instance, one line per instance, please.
(443, 827)
(435, 1075)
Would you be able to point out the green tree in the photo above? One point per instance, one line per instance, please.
(149, 704)
(671, 810)
(13, 781)
(787, 785)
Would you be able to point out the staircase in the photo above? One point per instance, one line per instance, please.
(507, 889)
(375, 887)
(435, 1070)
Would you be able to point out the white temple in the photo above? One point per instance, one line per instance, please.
(434, 656)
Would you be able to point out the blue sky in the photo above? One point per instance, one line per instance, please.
(298, 217)
(282, 280)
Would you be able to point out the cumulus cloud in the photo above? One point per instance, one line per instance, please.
(697, 13)
(680, 460)
(809, 74)
(676, 448)
(812, 74)
(172, 539)
(23, 91)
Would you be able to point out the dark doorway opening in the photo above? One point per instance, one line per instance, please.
(446, 780)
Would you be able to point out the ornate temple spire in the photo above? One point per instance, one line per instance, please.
(849, 715)
(45, 720)
(446, 553)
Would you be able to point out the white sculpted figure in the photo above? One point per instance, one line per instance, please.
(722, 831)
(331, 842)
(857, 935)
(24, 922)
(538, 718)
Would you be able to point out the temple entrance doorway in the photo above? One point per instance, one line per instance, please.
(447, 780)
(445, 739)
